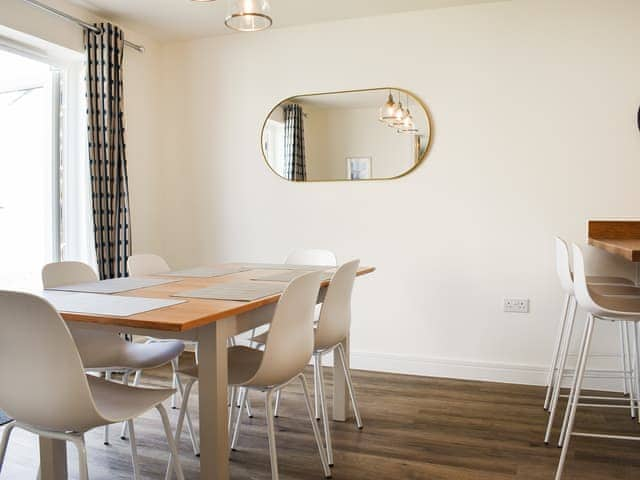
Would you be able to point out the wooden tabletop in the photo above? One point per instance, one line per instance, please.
(619, 237)
(194, 312)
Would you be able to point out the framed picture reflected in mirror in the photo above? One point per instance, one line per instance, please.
(359, 168)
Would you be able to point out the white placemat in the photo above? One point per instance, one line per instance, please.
(288, 276)
(236, 291)
(113, 285)
(111, 305)
(207, 272)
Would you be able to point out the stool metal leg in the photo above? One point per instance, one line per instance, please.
(556, 351)
(566, 344)
(573, 406)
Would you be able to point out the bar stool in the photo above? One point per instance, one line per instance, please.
(606, 286)
(616, 308)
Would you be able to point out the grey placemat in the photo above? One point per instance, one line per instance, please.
(288, 276)
(286, 266)
(236, 291)
(4, 418)
(111, 305)
(207, 272)
(113, 285)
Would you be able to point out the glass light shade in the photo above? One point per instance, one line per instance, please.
(388, 110)
(407, 125)
(248, 15)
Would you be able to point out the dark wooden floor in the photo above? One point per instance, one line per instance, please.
(415, 428)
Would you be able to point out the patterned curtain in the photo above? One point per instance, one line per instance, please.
(295, 167)
(107, 158)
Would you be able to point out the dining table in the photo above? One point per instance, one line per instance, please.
(210, 323)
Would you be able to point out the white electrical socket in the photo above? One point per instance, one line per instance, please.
(516, 305)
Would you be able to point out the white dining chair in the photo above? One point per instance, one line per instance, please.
(50, 395)
(607, 308)
(287, 352)
(103, 351)
(605, 285)
(311, 257)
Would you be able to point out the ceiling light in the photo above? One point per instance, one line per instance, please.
(248, 15)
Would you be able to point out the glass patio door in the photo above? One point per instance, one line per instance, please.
(29, 169)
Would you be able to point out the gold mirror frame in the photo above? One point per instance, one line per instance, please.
(382, 89)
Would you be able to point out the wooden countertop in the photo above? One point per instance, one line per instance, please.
(619, 237)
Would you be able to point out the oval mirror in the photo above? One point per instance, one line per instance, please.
(374, 134)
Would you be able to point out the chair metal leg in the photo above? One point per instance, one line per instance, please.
(556, 352)
(586, 344)
(4, 441)
(628, 344)
(277, 407)
(317, 362)
(125, 381)
(82, 458)
(107, 376)
(183, 409)
(314, 426)
(175, 365)
(192, 433)
(236, 428)
(352, 390)
(247, 405)
(566, 344)
(134, 450)
(177, 467)
(316, 393)
(273, 455)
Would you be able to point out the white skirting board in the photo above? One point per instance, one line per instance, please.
(478, 370)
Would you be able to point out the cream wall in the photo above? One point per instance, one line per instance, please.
(142, 92)
(533, 105)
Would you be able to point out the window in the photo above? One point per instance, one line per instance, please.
(44, 179)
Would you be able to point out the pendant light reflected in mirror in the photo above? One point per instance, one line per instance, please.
(248, 15)
(388, 110)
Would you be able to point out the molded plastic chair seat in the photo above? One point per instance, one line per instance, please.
(127, 355)
(117, 402)
(243, 363)
(595, 279)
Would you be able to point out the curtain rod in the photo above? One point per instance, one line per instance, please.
(77, 21)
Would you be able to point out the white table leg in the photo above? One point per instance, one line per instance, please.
(213, 379)
(340, 394)
(53, 459)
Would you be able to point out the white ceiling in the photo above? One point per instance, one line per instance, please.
(184, 19)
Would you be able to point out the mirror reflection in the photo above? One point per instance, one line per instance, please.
(358, 135)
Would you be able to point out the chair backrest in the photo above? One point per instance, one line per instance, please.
(335, 315)
(580, 287)
(147, 264)
(312, 257)
(88, 341)
(563, 265)
(289, 346)
(67, 273)
(43, 382)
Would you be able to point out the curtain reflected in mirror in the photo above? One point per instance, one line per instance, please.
(347, 136)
